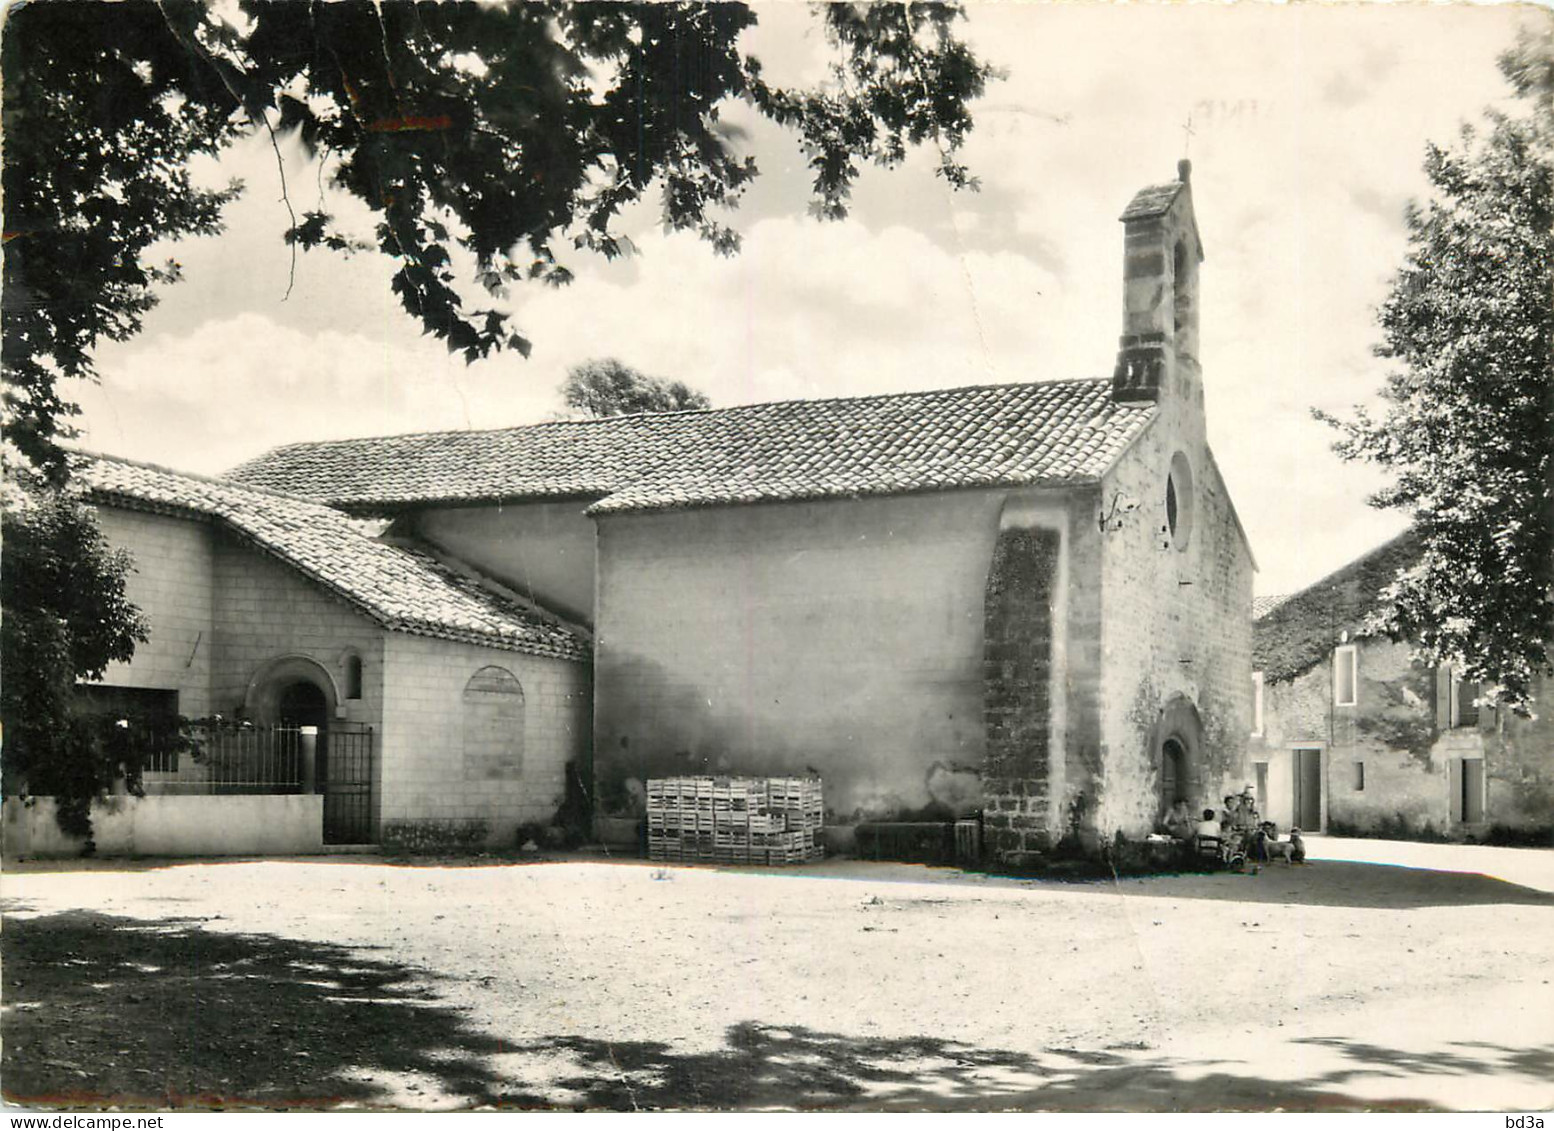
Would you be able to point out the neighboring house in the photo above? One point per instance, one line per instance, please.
(1351, 735)
(1026, 599)
(372, 691)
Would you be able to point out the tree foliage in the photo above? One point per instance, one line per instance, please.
(101, 117)
(66, 618)
(607, 387)
(1468, 427)
(498, 136)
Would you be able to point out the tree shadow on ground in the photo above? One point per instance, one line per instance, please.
(791, 1067)
(104, 1009)
(1340, 883)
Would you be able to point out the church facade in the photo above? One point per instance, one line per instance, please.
(1028, 600)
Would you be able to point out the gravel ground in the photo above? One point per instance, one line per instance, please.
(1382, 975)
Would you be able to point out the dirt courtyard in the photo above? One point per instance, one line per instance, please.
(1381, 976)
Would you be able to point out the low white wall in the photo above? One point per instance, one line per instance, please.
(171, 825)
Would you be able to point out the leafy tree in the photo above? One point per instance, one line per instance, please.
(66, 617)
(499, 135)
(496, 136)
(607, 387)
(1467, 425)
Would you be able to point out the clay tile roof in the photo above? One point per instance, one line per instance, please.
(1304, 627)
(1262, 606)
(399, 586)
(1047, 432)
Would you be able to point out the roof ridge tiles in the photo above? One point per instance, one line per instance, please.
(871, 444)
(210, 480)
(590, 421)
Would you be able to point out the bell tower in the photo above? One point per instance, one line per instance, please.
(1157, 357)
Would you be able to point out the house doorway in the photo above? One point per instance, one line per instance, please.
(1467, 790)
(1307, 810)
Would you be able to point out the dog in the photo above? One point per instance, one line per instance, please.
(1297, 848)
(1292, 851)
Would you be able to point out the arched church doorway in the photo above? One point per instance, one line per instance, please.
(1176, 743)
(1173, 773)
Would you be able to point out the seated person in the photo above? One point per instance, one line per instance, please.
(1230, 816)
(1209, 826)
(1178, 821)
(1259, 845)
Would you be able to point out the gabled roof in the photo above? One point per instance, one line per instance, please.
(1262, 606)
(1304, 628)
(399, 586)
(1154, 200)
(1044, 433)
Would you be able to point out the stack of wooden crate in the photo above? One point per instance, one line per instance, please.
(734, 820)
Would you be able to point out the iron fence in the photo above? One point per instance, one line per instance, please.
(234, 758)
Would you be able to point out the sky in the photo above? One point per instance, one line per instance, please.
(1306, 127)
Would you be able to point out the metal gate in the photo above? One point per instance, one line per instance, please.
(345, 780)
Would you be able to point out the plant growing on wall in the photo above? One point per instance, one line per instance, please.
(1465, 429)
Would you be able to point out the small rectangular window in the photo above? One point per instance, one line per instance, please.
(1345, 675)
(1359, 777)
(1257, 704)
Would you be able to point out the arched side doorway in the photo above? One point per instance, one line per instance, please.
(288, 686)
(294, 692)
(302, 703)
(286, 695)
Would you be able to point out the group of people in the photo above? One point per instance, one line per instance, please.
(1238, 829)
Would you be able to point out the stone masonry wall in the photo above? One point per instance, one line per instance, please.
(434, 792)
(172, 584)
(265, 610)
(842, 636)
(1396, 731)
(1020, 617)
(1176, 622)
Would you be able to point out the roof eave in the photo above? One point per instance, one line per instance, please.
(598, 510)
(106, 496)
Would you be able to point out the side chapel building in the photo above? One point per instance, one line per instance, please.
(1027, 599)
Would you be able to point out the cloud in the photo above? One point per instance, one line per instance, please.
(228, 389)
(1308, 126)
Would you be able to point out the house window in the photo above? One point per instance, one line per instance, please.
(1464, 711)
(1257, 704)
(148, 716)
(1359, 777)
(353, 676)
(1346, 675)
